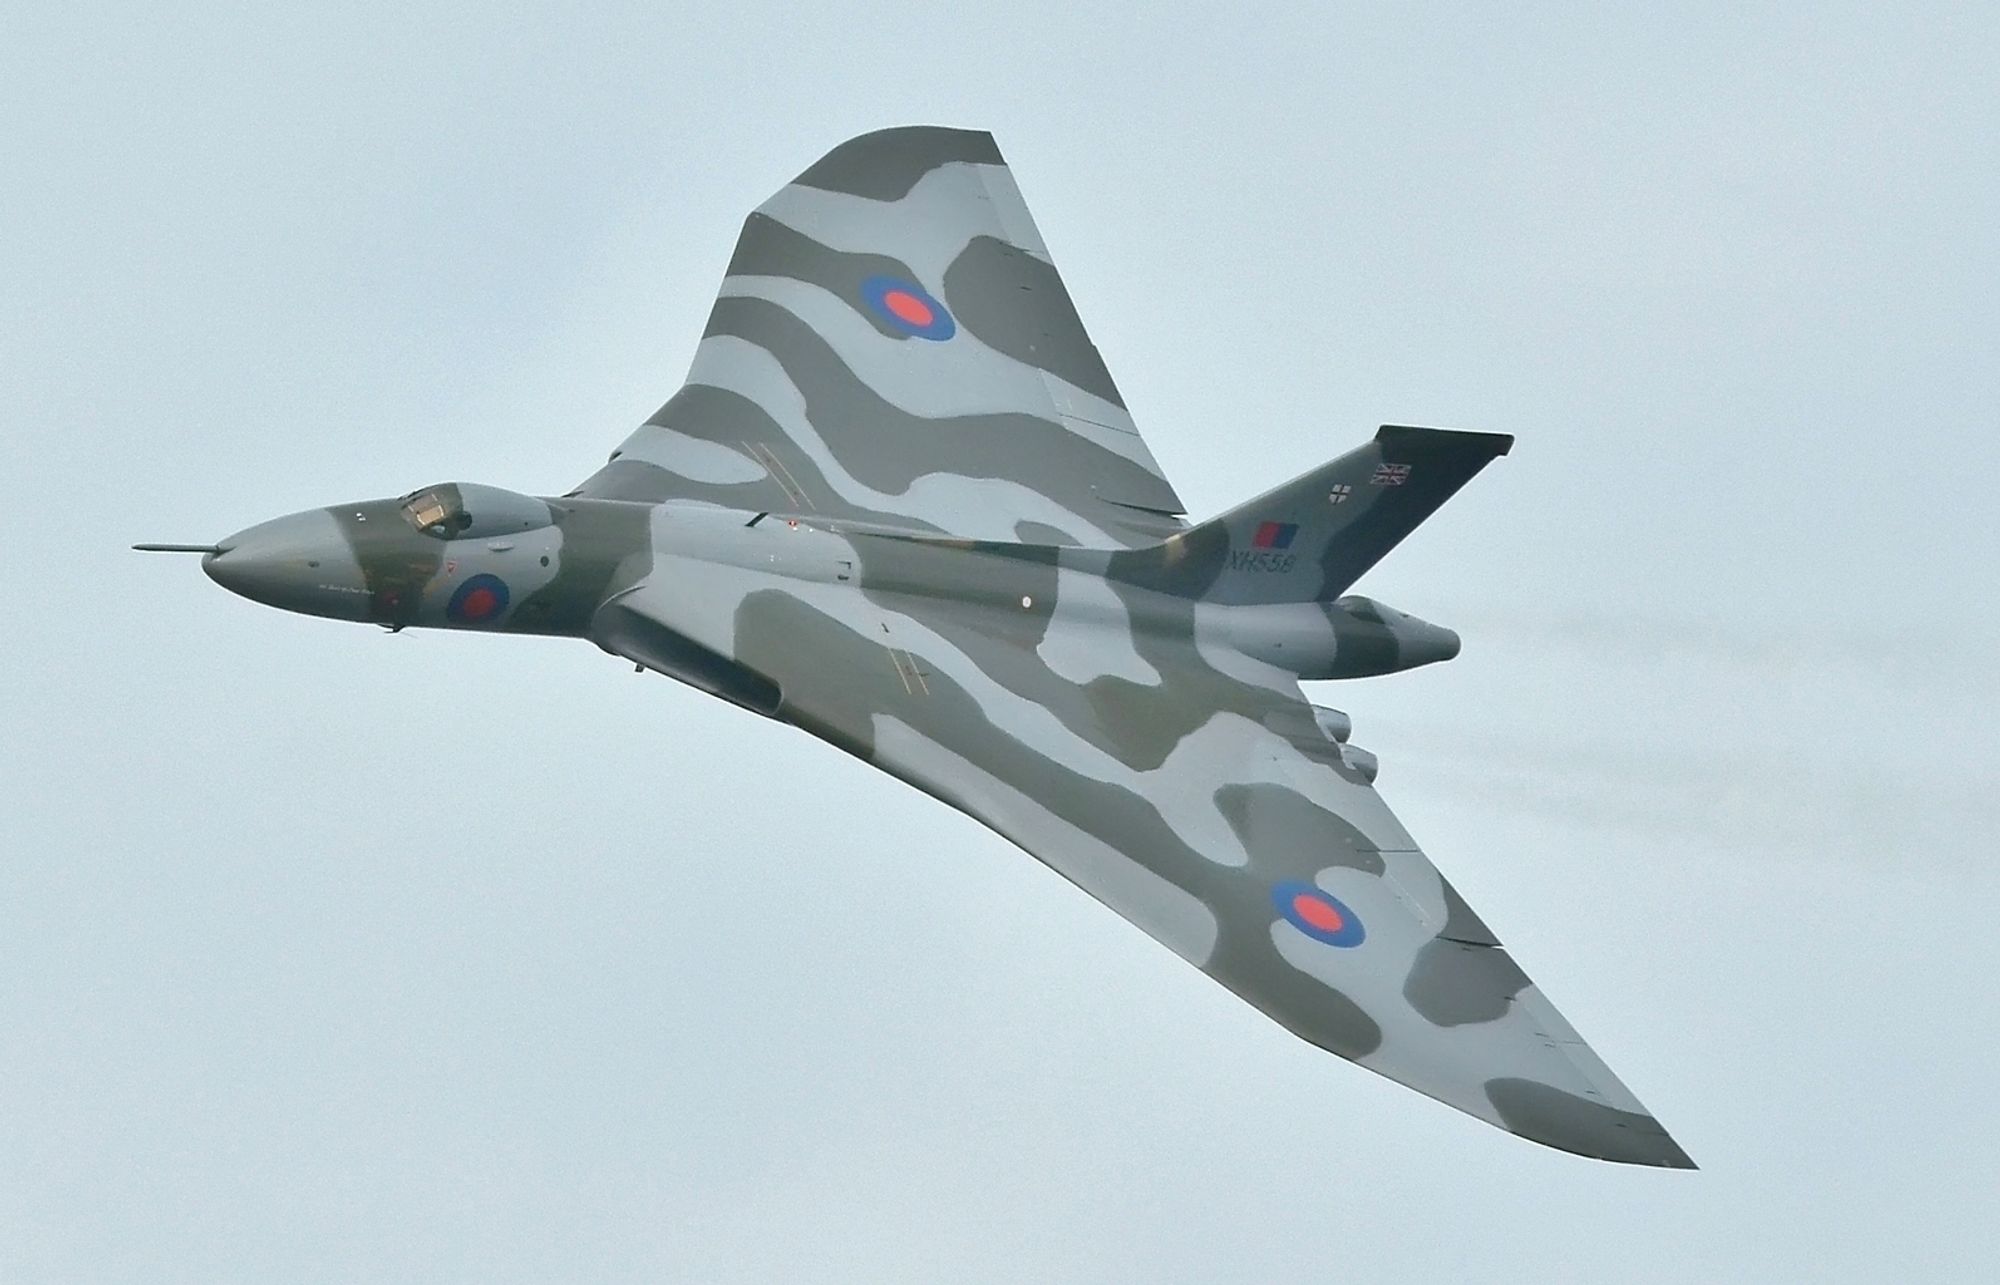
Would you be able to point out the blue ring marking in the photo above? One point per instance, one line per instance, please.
(455, 609)
(1350, 933)
(876, 290)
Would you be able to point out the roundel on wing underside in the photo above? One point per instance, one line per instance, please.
(1318, 914)
(908, 308)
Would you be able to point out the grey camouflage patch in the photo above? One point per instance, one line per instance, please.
(1564, 1120)
(987, 288)
(1453, 984)
(1281, 817)
(885, 165)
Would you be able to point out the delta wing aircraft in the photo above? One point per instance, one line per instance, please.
(899, 503)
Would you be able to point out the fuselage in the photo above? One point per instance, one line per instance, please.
(467, 556)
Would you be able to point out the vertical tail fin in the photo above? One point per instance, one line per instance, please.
(1311, 538)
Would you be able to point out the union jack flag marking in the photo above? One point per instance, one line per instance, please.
(1390, 475)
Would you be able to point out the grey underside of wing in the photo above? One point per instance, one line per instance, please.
(813, 391)
(1181, 785)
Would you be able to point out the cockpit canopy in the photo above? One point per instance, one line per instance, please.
(469, 511)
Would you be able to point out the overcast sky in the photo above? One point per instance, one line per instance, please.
(331, 955)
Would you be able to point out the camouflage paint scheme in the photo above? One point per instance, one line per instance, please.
(900, 504)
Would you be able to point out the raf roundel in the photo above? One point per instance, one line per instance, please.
(1318, 914)
(907, 307)
(478, 600)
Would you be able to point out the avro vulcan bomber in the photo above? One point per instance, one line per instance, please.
(899, 504)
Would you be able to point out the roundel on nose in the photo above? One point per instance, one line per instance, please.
(480, 599)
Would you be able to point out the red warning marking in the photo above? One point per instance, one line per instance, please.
(908, 308)
(1317, 912)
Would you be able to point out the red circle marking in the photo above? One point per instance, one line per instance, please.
(478, 604)
(909, 309)
(1318, 913)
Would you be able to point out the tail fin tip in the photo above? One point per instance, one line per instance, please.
(1313, 537)
(1398, 436)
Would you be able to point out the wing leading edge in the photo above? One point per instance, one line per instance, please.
(892, 344)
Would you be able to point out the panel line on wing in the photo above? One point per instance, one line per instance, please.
(790, 485)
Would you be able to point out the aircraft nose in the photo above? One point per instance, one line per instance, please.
(300, 562)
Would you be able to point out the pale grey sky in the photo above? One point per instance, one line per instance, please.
(331, 955)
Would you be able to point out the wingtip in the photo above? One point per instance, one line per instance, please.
(1680, 1159)
(1661, 1153)
(885, 164)
(1640, 1148)
(1556, 1118)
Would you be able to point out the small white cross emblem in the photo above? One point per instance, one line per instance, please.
(1338, 495)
